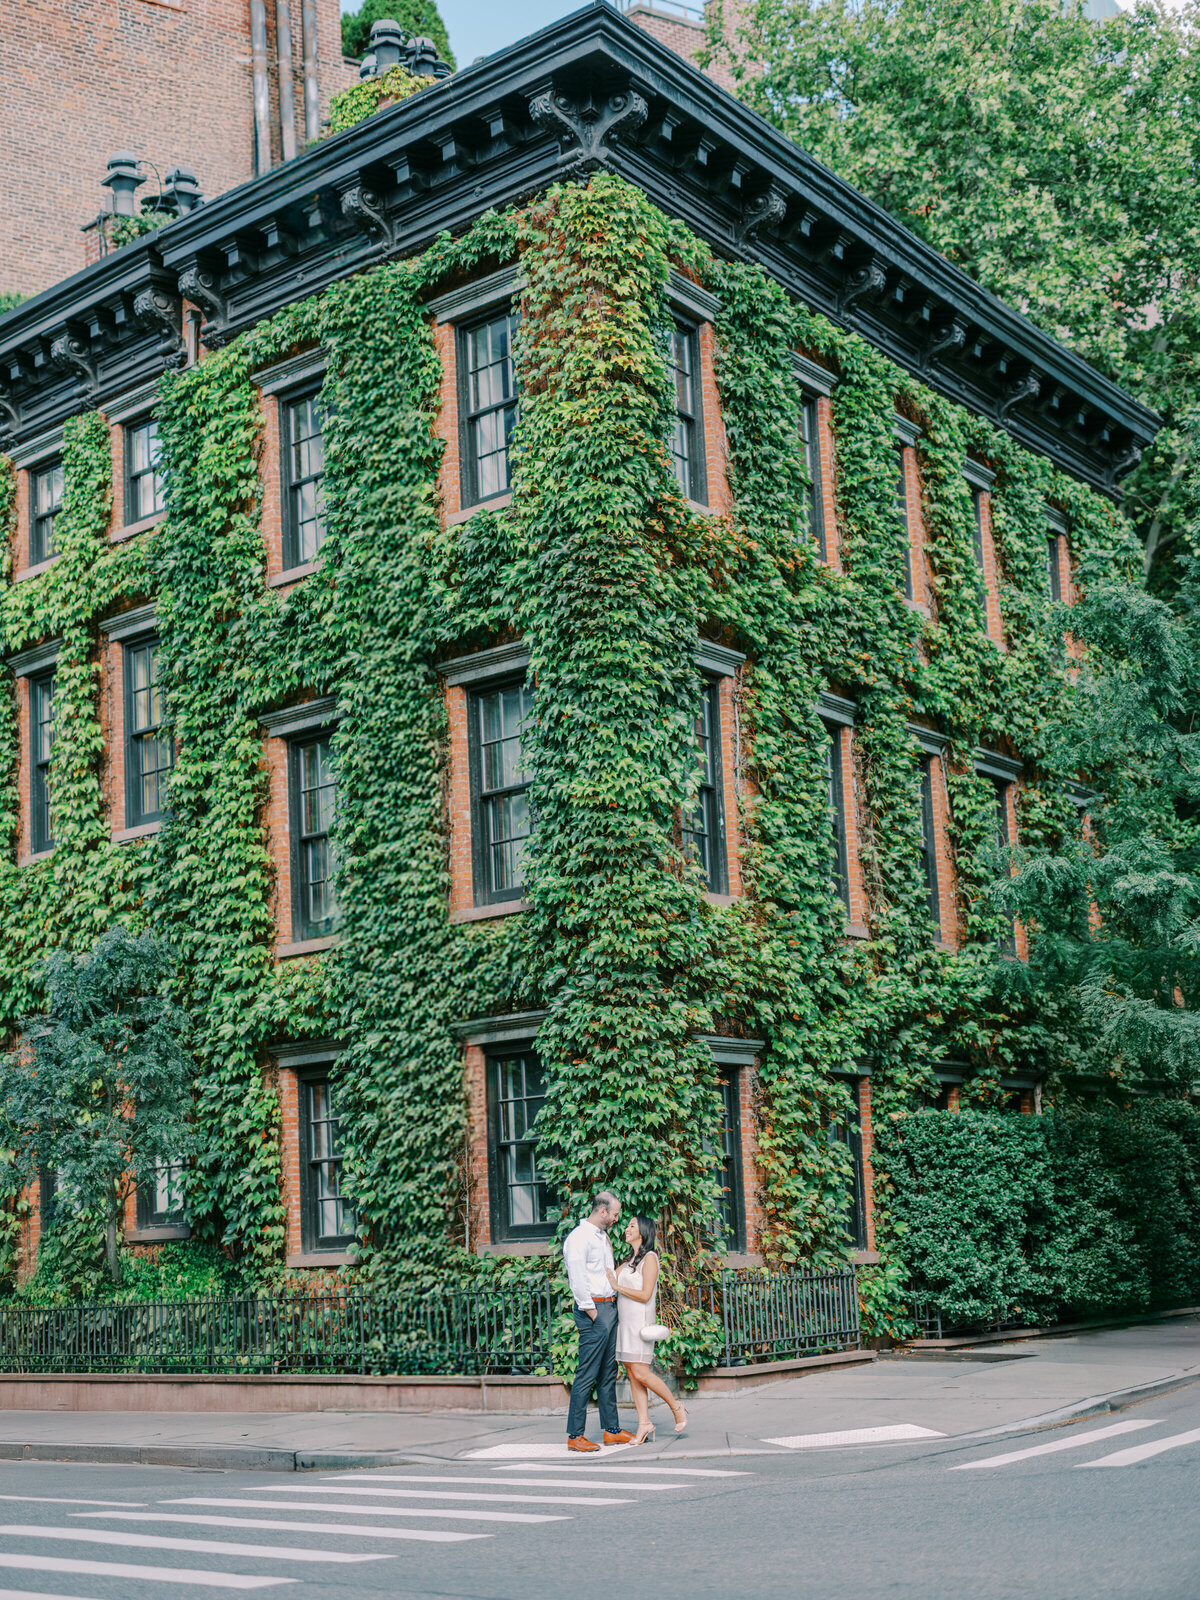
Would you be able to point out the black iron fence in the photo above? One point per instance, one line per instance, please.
(470, 1328)
(776, 1316)
(934, 1324)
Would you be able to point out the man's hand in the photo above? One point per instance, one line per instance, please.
(591, 1311)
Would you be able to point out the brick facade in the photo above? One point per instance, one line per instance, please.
(168, 79)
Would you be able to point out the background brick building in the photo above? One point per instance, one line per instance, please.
(170, 80)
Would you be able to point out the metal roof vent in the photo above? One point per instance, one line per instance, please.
(123, 179)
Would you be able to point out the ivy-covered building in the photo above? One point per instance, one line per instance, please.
(553, 603)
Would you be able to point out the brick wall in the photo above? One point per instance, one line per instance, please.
(685, 34)
(168, 79)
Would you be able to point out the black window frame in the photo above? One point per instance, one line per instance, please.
(312, 1240)
(41, 820)
(929, 840)
(810, 438)
(469, 416)
(484, 889)
(840, 858)
(902, 517)
(1006, 941)
(501, 1178)
(171, 1223)
(711, 795)
(134, 479)
(41, 523)
(731, 1207)
(293, 482)
(689, 461)
(849, 1133)
(139, 739)
(302, 927)
(1053, 567)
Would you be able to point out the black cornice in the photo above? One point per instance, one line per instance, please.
(591, 91)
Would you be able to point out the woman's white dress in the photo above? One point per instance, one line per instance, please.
(633, 1316)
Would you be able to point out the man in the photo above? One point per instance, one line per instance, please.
(589, 1258)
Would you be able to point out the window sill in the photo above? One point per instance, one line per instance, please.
(919, 606)
(305, 947)
(37, 855)
(865, 1258)
(35, 572)
(740, 1258)
(699, 508)
(132, 529)
(320, 1258)
(857, 930)
(518, 1247)
(280, 580)
(142, 831)
(162, 1235)
(721, 899)
(496, 503)
(501, 908)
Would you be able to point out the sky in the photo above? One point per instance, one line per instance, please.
(478, 27)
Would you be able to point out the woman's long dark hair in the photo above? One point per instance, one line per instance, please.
(649, 1234)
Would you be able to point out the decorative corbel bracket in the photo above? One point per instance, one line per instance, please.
(71, 353)
(1026, 388)
(864, 283)
(10, 417)
(584, 124)
(198, 284)
(768, 212)
(363, 206)
(1123, 464)
(163, 312)
(952, 339)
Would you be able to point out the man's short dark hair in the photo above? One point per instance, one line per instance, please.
(605, 1198)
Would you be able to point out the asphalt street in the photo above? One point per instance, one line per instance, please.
(1103, 1507)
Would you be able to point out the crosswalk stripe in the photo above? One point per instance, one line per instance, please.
(453, 1494)
(129, 1569)
(159, 1541)
(39, 1594)
(536, 1483)
(1143, 1452)
(625, 1471)
(59, 1500)
(463, 1514)
(1055, 1445)
(346, 1530)
(893, 1433)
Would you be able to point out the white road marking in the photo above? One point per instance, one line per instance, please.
(159, 1541)
(556, 1482)
(58, 1500)
(523, 1452)
(347, 1530)
(39, 1594)
(894, 1433)
(451, 1494)
(129, 1569)
(584, 1474)
(1143, 1452)
(1054, 1446)
(459, 1515)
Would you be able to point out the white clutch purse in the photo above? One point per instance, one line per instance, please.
(654, 1331)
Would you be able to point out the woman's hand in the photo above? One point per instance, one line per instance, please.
(611, 1275)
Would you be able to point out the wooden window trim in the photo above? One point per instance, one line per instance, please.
(135, 817)
(301, 932)
(133, 517)
(929, 838)
(41, 548)
(483, 892)
(291, 554)
(503, 1230)
(733, 1242)
(40, 790)
(697, 490)
(311, 1242)
(468, 466)
(810, 405)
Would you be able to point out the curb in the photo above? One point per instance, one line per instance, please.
(1095, 1405)
(227, 1458)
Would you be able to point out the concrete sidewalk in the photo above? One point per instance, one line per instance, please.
(997, 1389)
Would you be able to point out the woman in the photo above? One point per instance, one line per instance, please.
(636, 1284)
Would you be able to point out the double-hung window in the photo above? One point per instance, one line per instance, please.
(731, 1204)
(41, 741)
(313, 786)
(303, 476)
(848, 1132)
(839, 854)
(704, 834)
(145, 488)
(45, 503)
(687, 439)
(903, 521)
(500, 779)
(929, 843)
(1053, 573)
(160, 1198)
(521, 1199)
(810, 437)
(328, 1221)
(149, 748)
(488, 398)
(1007, 941)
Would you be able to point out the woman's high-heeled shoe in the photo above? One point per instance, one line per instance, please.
(681, 1422)
(644, 1435)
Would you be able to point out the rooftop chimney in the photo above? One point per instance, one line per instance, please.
(388, 41)
(424, 60)
(123, 179)
(181, 191)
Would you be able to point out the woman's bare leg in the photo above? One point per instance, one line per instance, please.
(646, 1379)
(638, 1390)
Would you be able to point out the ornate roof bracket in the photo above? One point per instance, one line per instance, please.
(944, 343)
(198, 283)
(71, 353)
(585, 122)
(163, 312)
(1018, 391)
(365, 207)
(865, 283)
(765, 213)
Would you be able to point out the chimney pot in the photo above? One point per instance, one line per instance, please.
(424, 61)
(181, 191)
(388, 41)
(123, 179)
(367, 67)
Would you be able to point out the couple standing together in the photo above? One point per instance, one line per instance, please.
(611, 1311)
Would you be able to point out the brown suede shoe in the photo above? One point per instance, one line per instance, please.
(582, 1444)
(624, 1437)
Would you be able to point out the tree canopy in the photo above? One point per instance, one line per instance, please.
(420, 18)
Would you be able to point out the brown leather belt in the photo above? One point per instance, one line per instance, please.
(603, 1299)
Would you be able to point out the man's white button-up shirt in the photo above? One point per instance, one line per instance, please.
(589, 1257)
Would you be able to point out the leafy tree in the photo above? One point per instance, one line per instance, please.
(1052, 157)
(420, 18)
(96, 1089)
